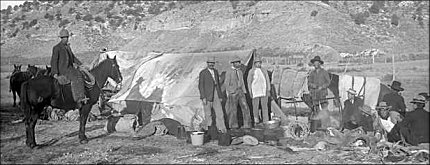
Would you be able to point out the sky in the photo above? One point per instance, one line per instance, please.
(4, 3)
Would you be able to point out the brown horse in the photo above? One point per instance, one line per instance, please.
(42, 91)
(39, 71)
(16, 79)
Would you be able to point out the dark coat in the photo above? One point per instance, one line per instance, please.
(414, 128)
(396, 101)
(62, 59)
(352, 113)
(207, 85)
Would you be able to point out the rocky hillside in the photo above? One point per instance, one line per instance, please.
(274, 28)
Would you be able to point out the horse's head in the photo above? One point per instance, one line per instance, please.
(16, 68)
(32, 69)
(114, 74)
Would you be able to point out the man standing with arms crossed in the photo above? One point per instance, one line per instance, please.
(235, 88)
(210, 93)
(259, 90)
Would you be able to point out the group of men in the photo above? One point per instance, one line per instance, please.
(391, 116)
(234, 84)
(392, 111)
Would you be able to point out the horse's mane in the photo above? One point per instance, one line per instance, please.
(100, 64)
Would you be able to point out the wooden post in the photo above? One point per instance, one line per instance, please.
(373, 58)
(394, 70)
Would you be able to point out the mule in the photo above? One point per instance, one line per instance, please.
(42, 91)
(16, 79)
(39, 71)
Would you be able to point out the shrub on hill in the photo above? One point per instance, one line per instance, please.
(78, 16)
(33, 22)
(376, 6)
(99, 19)
(395, 20)
(49, 16)
(63, 23)
(88, 17)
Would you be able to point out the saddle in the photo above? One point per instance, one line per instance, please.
(88, 79)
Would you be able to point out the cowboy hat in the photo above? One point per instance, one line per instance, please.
(317, 58)
(396, 86)
(426, 95)
(211, 60)
(419, 99)
(352, 91)
(64, 33)
(257, 59)
(235, 59)
(383, 105)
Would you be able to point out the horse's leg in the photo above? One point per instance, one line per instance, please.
(30, 123)
(14, 98)
(83, 112)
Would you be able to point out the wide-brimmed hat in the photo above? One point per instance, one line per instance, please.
(235, 59)
(419, 99)
(396, 86)
(366, 109)
(257, 59)
(352, 91)
(63, 33)
(317, 58)
(211, 60)
(383, 105)
(426, 95)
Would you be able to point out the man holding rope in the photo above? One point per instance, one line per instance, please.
(318, 82)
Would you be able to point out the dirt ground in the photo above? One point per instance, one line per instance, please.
(59, 140)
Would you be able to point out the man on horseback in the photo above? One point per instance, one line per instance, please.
(65, 63)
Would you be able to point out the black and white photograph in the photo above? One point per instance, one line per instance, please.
(214, 82)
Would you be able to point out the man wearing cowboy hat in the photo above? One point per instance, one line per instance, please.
(394, 99)
(259, 90)
(351, 114)
(63, 63)
(235, 89)
(318, 82)
(414, 127)
(210, 94)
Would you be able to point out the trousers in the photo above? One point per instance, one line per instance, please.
(231, 107)
(219, 115)
(255, 102)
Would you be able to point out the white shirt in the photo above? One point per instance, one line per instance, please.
(213, 74)
(258, 84)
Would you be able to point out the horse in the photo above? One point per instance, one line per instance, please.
(39, 71)
(16, 69)
(45, 90)
(16, 79)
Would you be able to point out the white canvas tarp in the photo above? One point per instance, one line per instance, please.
(170, 80)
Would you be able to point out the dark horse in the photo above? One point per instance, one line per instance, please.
(16, 79)
(39, 71)
(41, 91)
